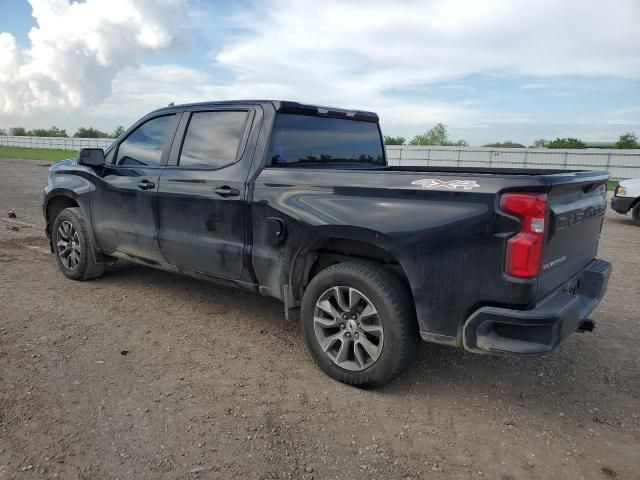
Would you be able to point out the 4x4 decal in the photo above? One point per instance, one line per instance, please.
(448, 184)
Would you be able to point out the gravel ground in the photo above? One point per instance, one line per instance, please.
(145, 374)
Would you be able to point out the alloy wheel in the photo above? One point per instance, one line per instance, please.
(68, 244)
(348, 328)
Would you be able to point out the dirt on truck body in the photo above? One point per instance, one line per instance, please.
(297, 202)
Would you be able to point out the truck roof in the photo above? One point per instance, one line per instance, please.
(285, 106)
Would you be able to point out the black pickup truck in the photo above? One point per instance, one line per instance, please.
(298, 202)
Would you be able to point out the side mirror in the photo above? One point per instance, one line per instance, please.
(93, 157)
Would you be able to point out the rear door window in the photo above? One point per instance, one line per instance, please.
(302, 140)
(213, 139)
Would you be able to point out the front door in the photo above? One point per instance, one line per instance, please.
(202, 197)
(124, 210)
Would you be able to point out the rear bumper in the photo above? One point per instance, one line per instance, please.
(542, 328)
(621, 204)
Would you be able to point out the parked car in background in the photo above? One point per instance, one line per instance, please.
(626, 198)
(298, 202)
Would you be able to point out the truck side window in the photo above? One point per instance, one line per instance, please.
(304, 140)
(143, 146)
(212, 139)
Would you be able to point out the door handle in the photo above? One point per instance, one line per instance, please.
(227, 191)
(146, 185)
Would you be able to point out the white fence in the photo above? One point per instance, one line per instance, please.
(55, 142)
(619, 163)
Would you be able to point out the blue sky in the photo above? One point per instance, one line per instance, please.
(16, 18)
(489, 70)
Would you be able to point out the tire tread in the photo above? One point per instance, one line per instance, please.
(92, 269)
(394, 292)
(635, 213)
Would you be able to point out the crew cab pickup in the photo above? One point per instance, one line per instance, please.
(298, 202)
(626, 198)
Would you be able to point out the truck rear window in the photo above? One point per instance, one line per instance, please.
(302, 140)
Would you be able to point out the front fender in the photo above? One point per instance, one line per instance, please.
(73, 183)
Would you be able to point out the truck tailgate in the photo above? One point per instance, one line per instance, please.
(576, 213)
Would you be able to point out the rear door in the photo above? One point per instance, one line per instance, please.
(123, 211)
(202, 194)
(576, 213)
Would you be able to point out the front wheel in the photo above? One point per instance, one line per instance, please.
(72, 246)
(359, 324)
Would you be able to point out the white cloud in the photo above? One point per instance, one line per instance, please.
(355, 54)
(458, 86)
(136, 91)
(394, 57)
(532, 86)
(77, 49)
(392, 43)
(626, 115)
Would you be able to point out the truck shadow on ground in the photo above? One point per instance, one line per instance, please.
(553, 382)
(621, 220)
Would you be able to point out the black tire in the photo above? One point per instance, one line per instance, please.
(395, 312)
(635, 214)
(85, 268)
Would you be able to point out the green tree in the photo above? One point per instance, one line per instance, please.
(90, 132)
(19, 132)
(437, 135)
(566, 143)
(118, 131)
(3, 132)
(507, 144)
(58, 132)
(628, 140)
(49, 132)
(394, 140)
(539, 143)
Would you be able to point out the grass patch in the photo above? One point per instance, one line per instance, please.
(611, 185)
(47, 154)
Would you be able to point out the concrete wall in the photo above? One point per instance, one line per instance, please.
(620, 163)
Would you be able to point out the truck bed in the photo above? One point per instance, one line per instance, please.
(485, 170)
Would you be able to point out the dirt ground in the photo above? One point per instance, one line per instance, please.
(145, 374)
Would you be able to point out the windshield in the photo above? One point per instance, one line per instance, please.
(302, 140)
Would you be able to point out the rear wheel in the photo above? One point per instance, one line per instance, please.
(73, 248)
(635, 214)
(359, 324)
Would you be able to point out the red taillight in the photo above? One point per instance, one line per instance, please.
(524, 251)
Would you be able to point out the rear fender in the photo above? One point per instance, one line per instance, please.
(328, 237)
